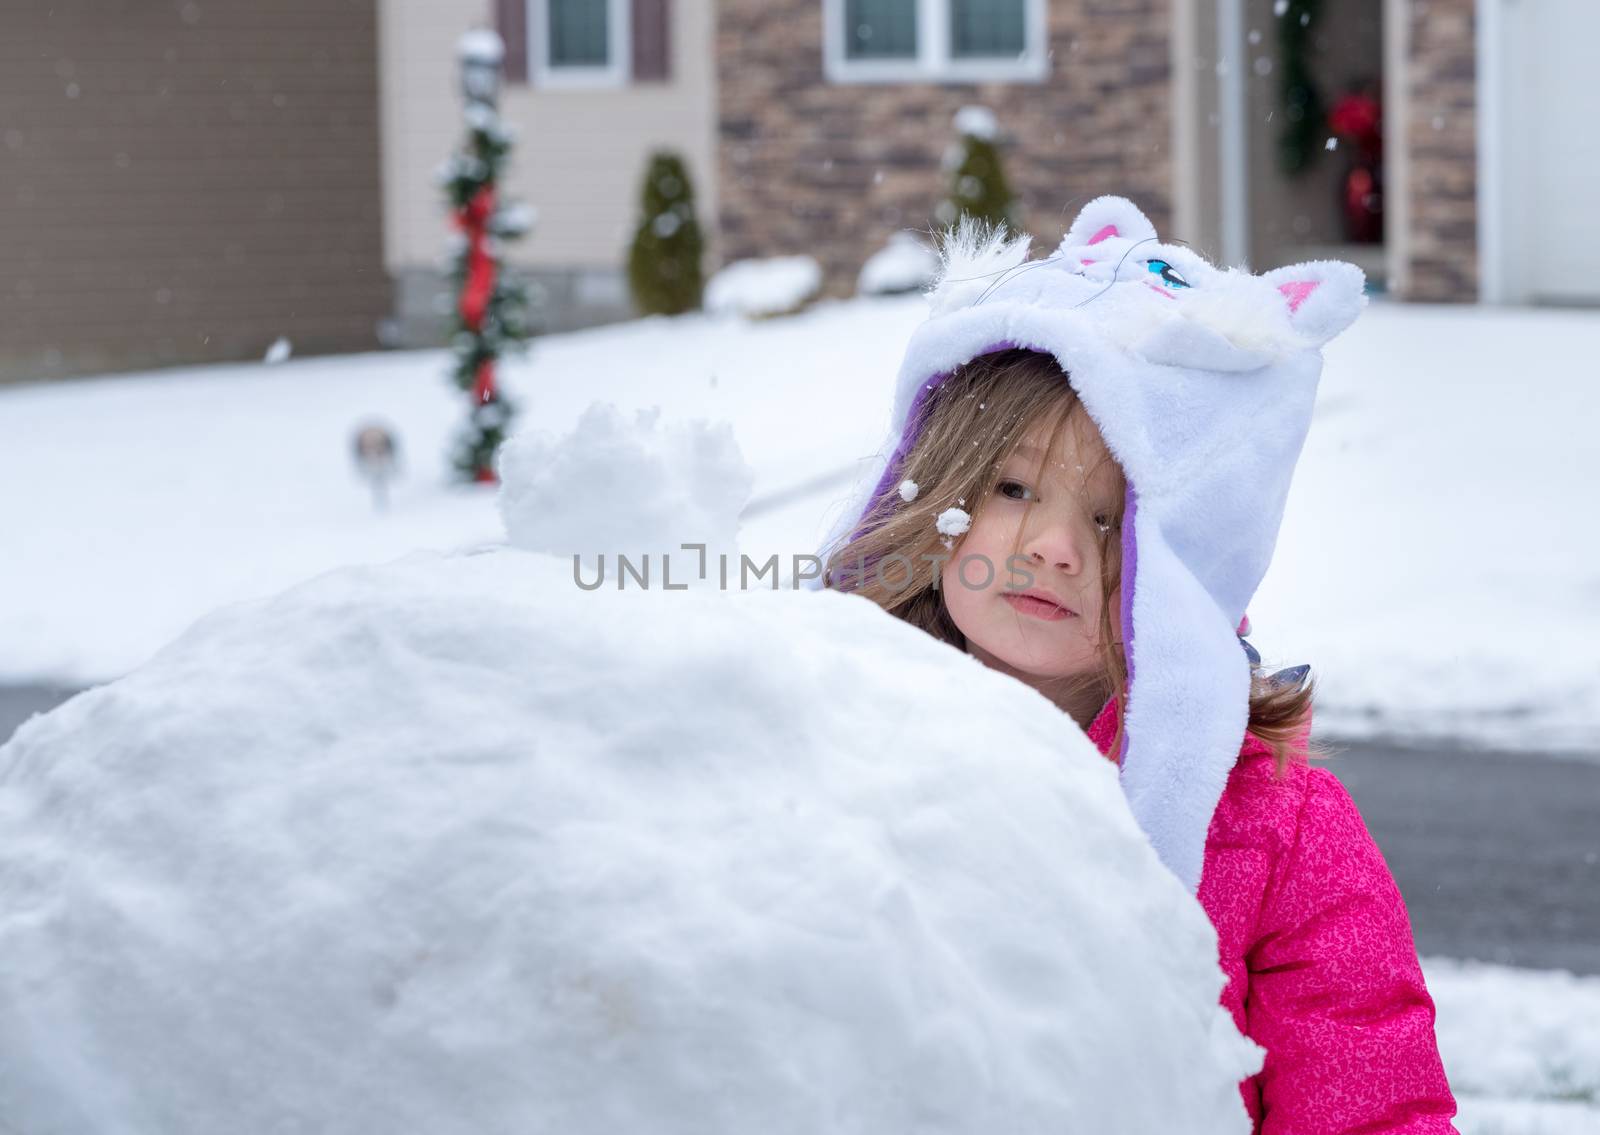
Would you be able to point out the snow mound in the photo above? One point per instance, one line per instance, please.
(903, 265)
(1515, 1034)
(762, 288)
(449, 845)
(614, 487)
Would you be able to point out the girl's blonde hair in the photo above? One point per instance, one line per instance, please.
(965, 428)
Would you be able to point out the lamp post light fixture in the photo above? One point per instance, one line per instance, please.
(481, 53)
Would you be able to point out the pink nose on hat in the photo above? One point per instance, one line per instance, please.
(1244, 626)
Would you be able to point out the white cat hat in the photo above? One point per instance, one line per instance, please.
(1202, 382)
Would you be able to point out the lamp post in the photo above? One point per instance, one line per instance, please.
(489, 309)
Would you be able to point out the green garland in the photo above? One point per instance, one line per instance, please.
(505, 326)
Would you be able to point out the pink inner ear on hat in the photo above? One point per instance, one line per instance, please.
(1298, 291)
(1244, 626)
(1108, 231)
(1085, 262)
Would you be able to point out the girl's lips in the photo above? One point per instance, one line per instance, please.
(1038, 608)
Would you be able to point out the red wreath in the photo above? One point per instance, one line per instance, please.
(1358, 119)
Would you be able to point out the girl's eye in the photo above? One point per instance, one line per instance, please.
(1015, 490)
(1169, 275)
(1105, 521)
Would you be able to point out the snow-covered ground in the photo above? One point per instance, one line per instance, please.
(1521, 1047)
(1435, 565)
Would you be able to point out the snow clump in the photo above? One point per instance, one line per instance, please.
(953, 521)
(617, 487)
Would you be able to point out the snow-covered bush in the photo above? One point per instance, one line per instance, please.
(455, 844)
(760, 289)
(976, 184)
(664, 258)
(903, 265)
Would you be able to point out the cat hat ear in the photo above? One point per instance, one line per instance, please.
(1108, 218)
(1324, 296)
(1201, 382)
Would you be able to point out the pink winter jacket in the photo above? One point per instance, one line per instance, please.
(1322, 970)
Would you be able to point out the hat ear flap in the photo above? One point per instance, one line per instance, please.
(1323, 297)
(1105, 218)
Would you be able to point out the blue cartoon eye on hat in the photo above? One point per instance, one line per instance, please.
(1169, 275)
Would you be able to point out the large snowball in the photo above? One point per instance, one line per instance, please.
(450, 845)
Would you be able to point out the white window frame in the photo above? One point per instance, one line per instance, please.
(934, 63)
(617, 72)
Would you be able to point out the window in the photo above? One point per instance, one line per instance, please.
(880, 29)
(987, 29)
(580, 43)
(876, 41)
(578, 33)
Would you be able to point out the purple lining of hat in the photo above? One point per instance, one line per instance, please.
(1130, 567)
(908, 436)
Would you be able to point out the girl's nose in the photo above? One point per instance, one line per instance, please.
(1057, 542)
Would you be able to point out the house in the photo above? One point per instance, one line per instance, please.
(832, 115)
(617, 80)
(819, 126)
(188, 181)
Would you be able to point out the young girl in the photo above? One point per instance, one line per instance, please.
(1082, 487)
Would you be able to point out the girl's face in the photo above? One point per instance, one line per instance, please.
(1052, 509)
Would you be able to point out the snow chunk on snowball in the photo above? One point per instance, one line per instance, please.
(614, 486)
(903, 265)
(449, 845)
(953, 521)
(757, 288)
(908, 490)
(977, 122)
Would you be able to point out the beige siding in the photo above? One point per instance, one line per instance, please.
(186, 182)
(579, 154)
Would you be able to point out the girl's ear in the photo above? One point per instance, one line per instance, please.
(1105, 218)
(1323, 297)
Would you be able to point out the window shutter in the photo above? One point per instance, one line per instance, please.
(511, 21)
(652, 43)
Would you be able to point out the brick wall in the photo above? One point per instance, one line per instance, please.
(1441, 129)
(831, 170)
(185, 181)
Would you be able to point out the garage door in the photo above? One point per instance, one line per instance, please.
(1550, 133)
